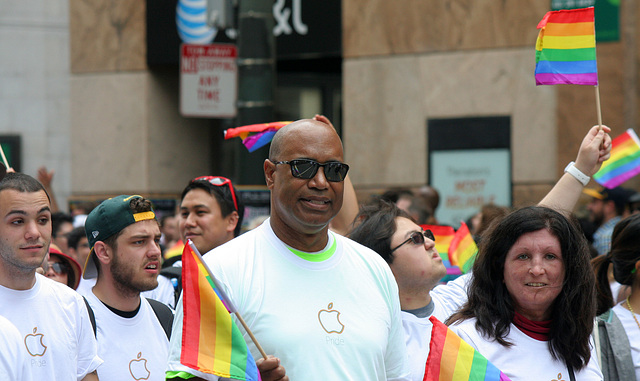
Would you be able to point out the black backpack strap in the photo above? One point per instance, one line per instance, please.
(164, 315)
(92, 316)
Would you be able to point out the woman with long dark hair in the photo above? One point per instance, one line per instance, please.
(532, 301)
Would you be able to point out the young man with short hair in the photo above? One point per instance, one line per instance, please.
(125, 257)
(52, 318)
(210, 212)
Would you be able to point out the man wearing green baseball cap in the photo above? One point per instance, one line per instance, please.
(123, 234)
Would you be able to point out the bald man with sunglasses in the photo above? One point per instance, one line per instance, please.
(324, 306)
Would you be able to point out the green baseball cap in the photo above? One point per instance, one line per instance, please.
(107, 219)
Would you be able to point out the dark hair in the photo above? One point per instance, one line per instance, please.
(395, 194)
(573, 310)
(223, 196)
(490, 213)
(375, 225)
(57, 219)
(624, 253)
(22, 183)
(74, 237)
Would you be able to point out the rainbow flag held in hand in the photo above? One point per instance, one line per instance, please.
(211, 341)
(255, 136)
(624, 162)
(453, 359)
(463, 249)
(566, 48)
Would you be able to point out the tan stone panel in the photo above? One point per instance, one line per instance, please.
(109, 127)
(107, 35)
(179, 148)
(384, 134)
(529, 194)
(577, 110)
(379, 27)
(388, 100)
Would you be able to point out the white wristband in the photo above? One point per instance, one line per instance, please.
(575, 172)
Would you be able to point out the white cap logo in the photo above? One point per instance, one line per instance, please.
(95, 233)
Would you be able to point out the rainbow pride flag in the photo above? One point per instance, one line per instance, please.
(463, 249)
(566, 48)
(453, 359)
(255, 136)
(624, 162)
(211, 341)
(444, 235)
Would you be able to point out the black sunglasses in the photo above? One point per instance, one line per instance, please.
(59, 267)
(417, 238)
(334, 171)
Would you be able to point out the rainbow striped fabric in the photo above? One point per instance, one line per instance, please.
(211, 341)
(462, 251)
(624, 162)
(566, 48)
(444, 235)
(261, 134)
(453, 359)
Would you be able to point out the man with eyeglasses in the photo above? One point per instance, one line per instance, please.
(326, 307)
(52, 318)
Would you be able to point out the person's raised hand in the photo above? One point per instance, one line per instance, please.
(45, 177)
(323, 119)
(594, 149)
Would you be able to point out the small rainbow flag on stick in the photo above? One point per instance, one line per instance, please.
(462, 251)
(453, 359)
(211, 341)
(566, 48)
(261, 134)
(624, 162)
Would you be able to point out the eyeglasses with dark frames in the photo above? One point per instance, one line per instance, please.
(220, 181)
(334, 171)
(59, 267)
(417, 238)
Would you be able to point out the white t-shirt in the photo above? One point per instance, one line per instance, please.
(132, 348)
(446, 299)
(633, 333)
(55, 325)
(14, 364)
(85, 286)
(337, 319)
(528, 359)
(164, 293)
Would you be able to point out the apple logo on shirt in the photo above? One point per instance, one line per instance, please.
(34, 344)
(138, 368)
(330, 320)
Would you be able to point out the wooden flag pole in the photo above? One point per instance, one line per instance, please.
(4, 158)
(253, 338)
(598, 109)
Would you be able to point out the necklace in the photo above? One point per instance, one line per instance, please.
(631, 309)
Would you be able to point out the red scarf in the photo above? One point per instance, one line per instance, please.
(538, 330)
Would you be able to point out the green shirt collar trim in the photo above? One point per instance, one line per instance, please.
(320, 255)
